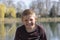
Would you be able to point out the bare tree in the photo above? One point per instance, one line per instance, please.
(39, 7)
(20, 7)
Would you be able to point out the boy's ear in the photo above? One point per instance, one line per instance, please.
(36, 18)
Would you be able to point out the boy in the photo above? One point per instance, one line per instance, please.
(29, 30)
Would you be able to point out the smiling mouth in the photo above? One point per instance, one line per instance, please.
(31, 24)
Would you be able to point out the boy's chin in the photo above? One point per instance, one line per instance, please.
(29, 26)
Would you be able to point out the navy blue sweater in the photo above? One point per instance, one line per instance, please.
(22, 34)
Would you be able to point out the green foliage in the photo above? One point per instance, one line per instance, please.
(8, 15)
(18, 15)
(53, 11)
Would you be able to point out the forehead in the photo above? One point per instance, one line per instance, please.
(29, 17)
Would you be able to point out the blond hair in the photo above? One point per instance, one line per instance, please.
(28, 12)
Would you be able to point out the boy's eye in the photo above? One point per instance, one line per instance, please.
(31, 19)
(26, 20)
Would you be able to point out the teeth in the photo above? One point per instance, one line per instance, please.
(30, 24)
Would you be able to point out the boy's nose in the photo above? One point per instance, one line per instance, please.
(29, 21)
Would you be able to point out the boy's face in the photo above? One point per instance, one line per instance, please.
(29, 21)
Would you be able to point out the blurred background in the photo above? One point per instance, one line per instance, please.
(48, 12)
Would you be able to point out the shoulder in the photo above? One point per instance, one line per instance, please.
(41, 28)
(20, 28)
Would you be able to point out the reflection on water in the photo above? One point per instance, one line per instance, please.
(52, 31)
